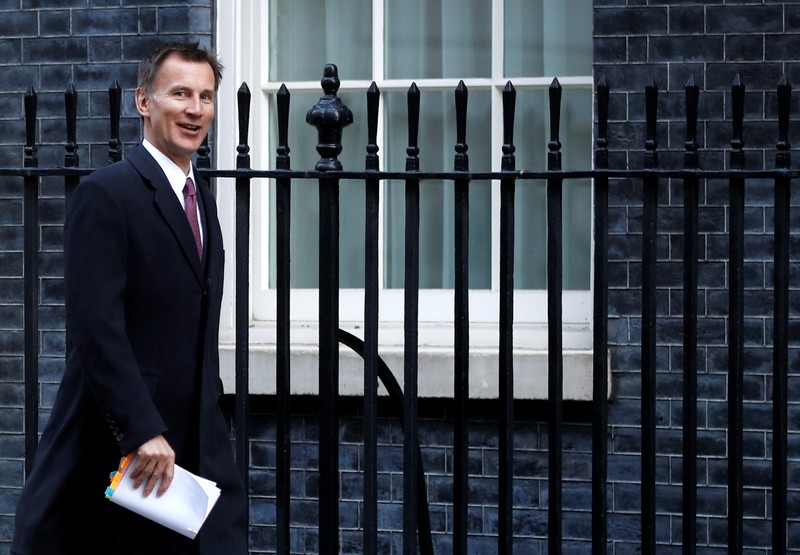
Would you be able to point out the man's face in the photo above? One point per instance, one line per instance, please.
(180, 111)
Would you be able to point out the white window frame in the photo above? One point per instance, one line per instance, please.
(242, 45)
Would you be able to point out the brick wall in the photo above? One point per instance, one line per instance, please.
(48, 44)
(666, 43)
(436, 443)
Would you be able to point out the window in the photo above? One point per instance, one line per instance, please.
(433, 43)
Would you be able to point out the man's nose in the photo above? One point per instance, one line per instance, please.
(195, 106)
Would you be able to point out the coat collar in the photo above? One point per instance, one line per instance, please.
(169, 207)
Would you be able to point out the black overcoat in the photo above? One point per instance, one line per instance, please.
(142, 359)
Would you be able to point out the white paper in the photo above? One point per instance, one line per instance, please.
(182, 508)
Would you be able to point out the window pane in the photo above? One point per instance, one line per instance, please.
(533, 117)
(307, 34)
(548, 37)
(437, 152)
(438, 38)
(304, 239)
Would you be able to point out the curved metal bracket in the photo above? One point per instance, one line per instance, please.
(387, 378)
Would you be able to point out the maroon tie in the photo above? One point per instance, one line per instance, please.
(190, 196)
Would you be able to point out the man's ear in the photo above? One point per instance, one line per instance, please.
(142, 102)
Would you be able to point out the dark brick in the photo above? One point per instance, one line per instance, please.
(55, 77)
(10, 290)
(12, 395)
(12, 446)
(756, 532)
(262, 454)
(348, 515)
(145, 3)
(18, 24)
(624, 528)
(744, 19)
(34, 4)
(744, 48)
(96, 130)
(262, 512)
(105, 22)
(389, 516)
(793, 535)
(105, 49)
(687, 48)
(754, 76)
(792, 17)
(10, 422)
(712, 501)
(135, 47)
(11, 367)
(148, 21)
(52, 343)
(630, 21)
(55, 23)
(10, 53)
(19, 78)
(686, 20)
(530, 522)
(609, 50)
(64, 49)
(184, 19)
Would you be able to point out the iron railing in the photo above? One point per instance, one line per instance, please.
(330, 116)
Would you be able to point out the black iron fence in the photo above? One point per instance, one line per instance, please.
(330, 116)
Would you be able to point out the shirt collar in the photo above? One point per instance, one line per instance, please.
(175, 176)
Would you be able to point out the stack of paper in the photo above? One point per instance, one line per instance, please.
(182, 508)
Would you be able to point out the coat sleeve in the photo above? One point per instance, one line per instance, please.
(96, 261)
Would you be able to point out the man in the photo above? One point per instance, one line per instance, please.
(143, 296)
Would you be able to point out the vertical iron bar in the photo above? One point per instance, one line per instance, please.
(600, 339)
(114, 143)
(371, 281)
(30, 228)
(71, 155)
(329, 365)
(505, 524)
(71, 146)
(330, 116)
(649, 257)
(203, 155)
(555, 362)
(461, 331)
(283, 209)
(780, 344)
(114, 112)
(690, 265)
(411, 331)
(242, 318)
(735, 323)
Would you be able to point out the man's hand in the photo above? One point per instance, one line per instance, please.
(156, 462)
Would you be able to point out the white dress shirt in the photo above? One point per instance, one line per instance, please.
(176, 178)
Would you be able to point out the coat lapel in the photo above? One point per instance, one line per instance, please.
(167, 205)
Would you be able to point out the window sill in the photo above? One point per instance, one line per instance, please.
(435, 365)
